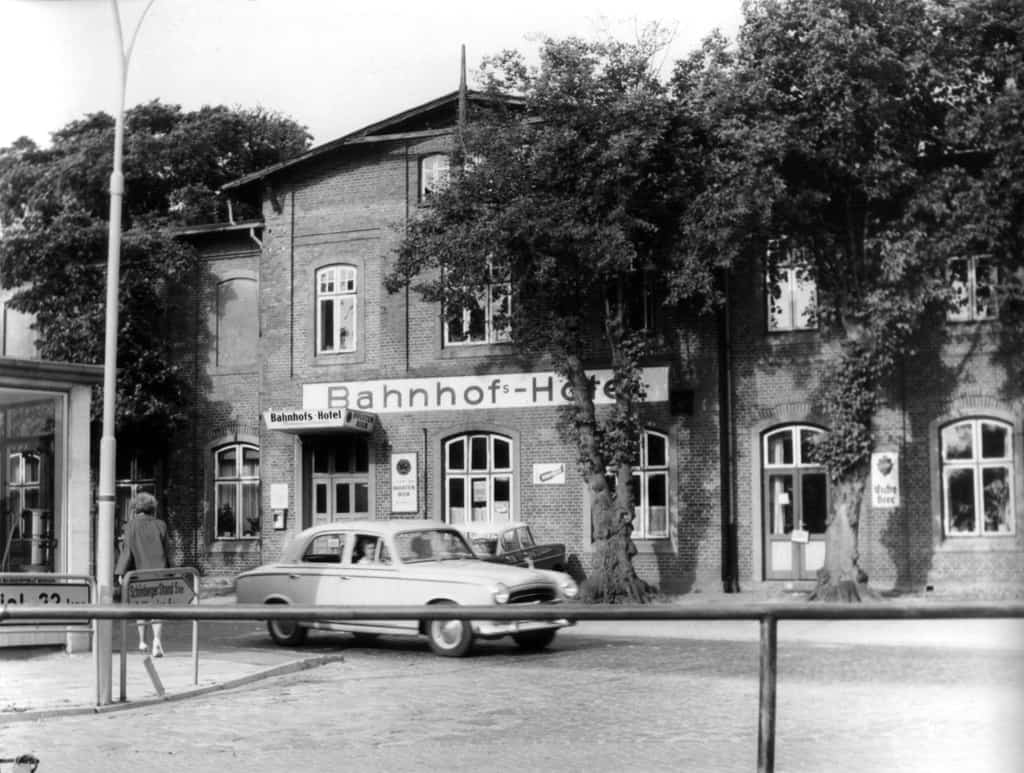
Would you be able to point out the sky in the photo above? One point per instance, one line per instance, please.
(332, 65)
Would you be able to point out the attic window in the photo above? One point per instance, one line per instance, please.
(433, 174)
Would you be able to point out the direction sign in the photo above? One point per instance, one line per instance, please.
(46, 592)
(164, 586)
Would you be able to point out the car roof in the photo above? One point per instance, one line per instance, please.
(491, 528)
(382, 526)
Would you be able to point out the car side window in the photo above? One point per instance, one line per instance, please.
(325, 549)
(364, 549)
(525, 537)
(509, 541)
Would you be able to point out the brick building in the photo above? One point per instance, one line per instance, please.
(322, 397)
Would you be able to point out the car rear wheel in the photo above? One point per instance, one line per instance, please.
(449, 638)
(286, 633)
(534, 641)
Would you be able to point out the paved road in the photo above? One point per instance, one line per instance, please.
(589, 704)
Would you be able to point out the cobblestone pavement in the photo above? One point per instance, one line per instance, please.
(589, 704)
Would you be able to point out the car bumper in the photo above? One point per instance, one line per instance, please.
(494, 628)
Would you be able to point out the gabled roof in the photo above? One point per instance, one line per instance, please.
(438, 116)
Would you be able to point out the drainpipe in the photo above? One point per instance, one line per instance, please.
(426, 477)
(730, 570)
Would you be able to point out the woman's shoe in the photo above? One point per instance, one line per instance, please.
(142, 646)
(158, 650)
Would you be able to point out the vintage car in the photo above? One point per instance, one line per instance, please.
(513, 543)
(404, 563)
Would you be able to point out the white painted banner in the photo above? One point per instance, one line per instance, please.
(461, 393)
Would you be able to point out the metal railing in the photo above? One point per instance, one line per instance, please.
(768, 614)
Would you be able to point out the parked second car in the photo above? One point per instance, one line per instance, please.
(404, 563)
(513, 543)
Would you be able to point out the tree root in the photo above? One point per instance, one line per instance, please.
(844, 591)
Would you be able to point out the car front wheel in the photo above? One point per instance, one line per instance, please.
(286, 633)
(449, 638)
(534, 641)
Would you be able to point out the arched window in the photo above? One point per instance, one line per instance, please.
(434, 171)
(795, 488)
(237, 491)
(977, 478)
(336, 306)
(478, 479)
(237, 331)
(649, 487)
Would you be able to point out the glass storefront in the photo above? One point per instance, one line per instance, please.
(27, 513)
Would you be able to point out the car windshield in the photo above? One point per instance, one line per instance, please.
(431, 545)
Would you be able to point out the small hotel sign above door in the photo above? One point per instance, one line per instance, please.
(301, 420)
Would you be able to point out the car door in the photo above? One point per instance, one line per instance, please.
(305, 582)
(372, 578)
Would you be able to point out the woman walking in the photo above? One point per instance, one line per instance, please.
(144, 547)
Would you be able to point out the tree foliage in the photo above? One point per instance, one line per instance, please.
(876, 140)
(54, 205)
(569, 199)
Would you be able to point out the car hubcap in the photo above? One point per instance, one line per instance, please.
(448, 632)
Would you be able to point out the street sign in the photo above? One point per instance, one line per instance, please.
(160, 586)
(49, 590)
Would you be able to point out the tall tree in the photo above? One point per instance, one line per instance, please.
(573, 191)
(859, 139)
(54, 204)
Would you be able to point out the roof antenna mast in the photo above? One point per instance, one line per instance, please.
(462, 99)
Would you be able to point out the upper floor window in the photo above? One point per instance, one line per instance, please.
(478, 479)
(19, 339)
(977, 478)
(336, 306)
(484, 319)
(973, 281)
(237, 331)
(434, 170)
(649, 487)
(792, 293)
(237, 491)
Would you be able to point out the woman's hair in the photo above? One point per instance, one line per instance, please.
(144, 503)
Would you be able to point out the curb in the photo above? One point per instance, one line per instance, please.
(283, 669)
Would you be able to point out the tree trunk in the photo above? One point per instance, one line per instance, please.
(841, 578)
(613, 578)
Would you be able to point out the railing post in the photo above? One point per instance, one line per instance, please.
(766, 710)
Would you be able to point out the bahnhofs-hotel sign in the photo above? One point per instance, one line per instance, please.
(331, 404)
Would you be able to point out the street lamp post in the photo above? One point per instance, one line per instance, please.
(103, 646)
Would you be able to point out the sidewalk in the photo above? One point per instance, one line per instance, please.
(37, 683)
(45, 681)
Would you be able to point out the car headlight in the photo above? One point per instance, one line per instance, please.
(499, 592)
(569, 588)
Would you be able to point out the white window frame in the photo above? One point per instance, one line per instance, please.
(971, 303)
(435, 170)
(482, 480)
(643, 474)
(977, 464)
(337, 309)
(240, 481)
(492, 301)
(141, 478)
(791, 298)
(796, 468)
